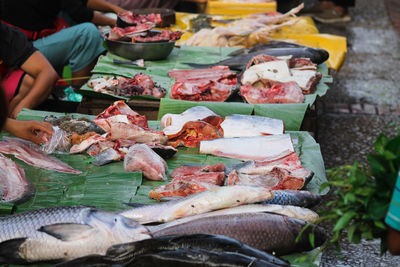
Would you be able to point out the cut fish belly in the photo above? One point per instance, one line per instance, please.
(173, 123)
(85, 144)
(271, 92)
(277, 173)
(249, 148)
(14, 186)
(244, 126)
(212, 84)
(191, 170)
(30, 154)
(180, 188)
(141, 158)
(192, 133)
(136, 133)
(120, 108)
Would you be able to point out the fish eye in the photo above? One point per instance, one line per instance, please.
(115, 219)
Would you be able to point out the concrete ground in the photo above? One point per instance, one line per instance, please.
(363, 101)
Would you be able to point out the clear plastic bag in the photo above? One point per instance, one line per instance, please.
(59, 142)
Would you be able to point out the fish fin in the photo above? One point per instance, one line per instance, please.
(308, 178)
(9, 251)
(201, 66)
(66, 231)
(170, 198)
(136, 205)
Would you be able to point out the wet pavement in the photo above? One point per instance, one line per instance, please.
(363, 101)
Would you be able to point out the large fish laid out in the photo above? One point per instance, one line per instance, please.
(182, 250)
(63, 233)
(244, 126)
(280, 173)
(142, 158)
(287, 210)
(14, 186)
(239, 62)
(31, 154)
(249, 148)
(214, 199)
(265, 231)
(213, 84)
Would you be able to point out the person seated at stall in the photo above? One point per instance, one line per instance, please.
(78, 46)
(135, 4)
(27, 78)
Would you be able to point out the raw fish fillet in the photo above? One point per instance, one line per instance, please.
(249, 148)
(281, 173)
(179, 189)
(85, 144)
(173, 123)
(244, 126)
(192, 133)
(141, 158)
(272, 92)
(120, 108)
(30, 154)
(136, 133)
(213, 84)
(191, 179)
(14, 186)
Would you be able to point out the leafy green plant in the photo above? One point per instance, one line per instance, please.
(362, 195)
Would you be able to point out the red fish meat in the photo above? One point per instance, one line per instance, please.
(120, 108)
(14, 186)
(179, 189)
(133, 18)
(212, 84)
(30, 154)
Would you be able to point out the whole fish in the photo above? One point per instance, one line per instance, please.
(264, 231)
(239, 62)
(247, 148)
(287, 210)
(31, 154)
(213, 199)
(14, 186)
(299, 198)
(244, 125)
(63, 233)
(122, 254)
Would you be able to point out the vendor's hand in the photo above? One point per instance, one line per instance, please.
(37, 132)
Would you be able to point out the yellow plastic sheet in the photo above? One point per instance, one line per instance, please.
(235, 8)
(303, 32)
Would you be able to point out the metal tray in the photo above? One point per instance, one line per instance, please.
(146, 51)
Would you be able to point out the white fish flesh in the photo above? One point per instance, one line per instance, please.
(31, 154)
(173, 123)
(85, 144)
(244, 126)
(136, 133)
(213, 199)
(142, 158)
(14, 186)
(248, 148)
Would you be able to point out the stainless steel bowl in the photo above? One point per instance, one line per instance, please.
(146, 51)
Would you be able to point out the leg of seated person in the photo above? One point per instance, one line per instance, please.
(22, 91)
(78, 46)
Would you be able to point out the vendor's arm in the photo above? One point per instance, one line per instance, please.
(393, 221)
(44, 78)
(101, 5)
(35, 131)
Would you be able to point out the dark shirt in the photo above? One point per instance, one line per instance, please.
(15, 48)
(36, 15)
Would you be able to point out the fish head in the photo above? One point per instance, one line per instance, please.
(118, 227)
